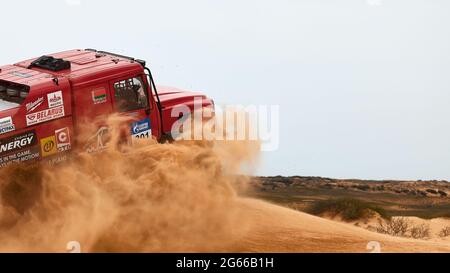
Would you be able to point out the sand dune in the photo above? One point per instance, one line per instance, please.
(272, 228)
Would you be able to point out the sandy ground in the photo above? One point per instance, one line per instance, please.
(271, 228)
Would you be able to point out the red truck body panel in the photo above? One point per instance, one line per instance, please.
(58, 104)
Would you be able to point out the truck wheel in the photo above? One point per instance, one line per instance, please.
(166, 138)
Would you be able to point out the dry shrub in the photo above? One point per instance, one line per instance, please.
(445, 232)
(396, 226)
(401, 226)
(421, 231)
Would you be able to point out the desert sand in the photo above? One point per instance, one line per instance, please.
(273, 228)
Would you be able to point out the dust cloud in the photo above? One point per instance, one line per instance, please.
(148, 197)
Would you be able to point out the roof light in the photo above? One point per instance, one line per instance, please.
(23, 94)
(12, 92)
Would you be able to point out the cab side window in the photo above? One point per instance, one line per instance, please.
(130, 94)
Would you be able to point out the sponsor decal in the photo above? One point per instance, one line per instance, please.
(28, 154)
(98, 141)
(6, 125)
(45, 115)
(63, 139)
(55, 99)
(56, 109)
(56, 159)
(19, 148)
(60, 142)
(17, 142)
(31, 106)
(48, 146)
(141, 129)
(99, 96)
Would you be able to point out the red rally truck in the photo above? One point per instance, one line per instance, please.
(46, 101)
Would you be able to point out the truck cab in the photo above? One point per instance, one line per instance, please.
(47, 102)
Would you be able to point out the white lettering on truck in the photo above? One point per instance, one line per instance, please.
(18, 144)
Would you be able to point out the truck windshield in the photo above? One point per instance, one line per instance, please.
(12, 95)
(130, 94)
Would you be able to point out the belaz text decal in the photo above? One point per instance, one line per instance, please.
(45, 115)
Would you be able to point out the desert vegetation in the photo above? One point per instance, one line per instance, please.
(396, 198)
(347, 208)
(420, 231)
(417, 210)
(403, 227)
(445, 232)
(394, 226)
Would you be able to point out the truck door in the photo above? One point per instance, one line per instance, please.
(131, 98)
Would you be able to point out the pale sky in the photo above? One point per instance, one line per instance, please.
(363, 85)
